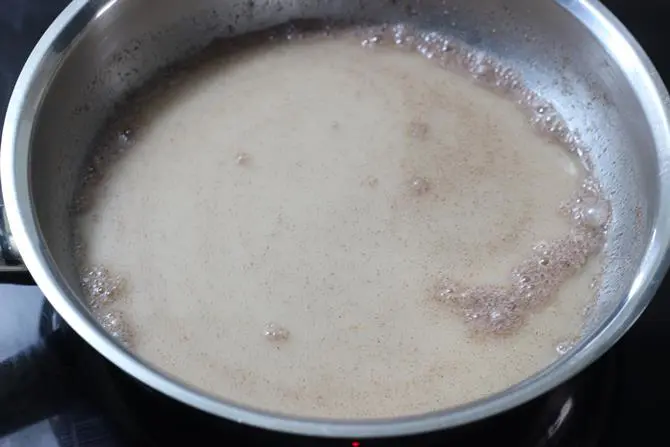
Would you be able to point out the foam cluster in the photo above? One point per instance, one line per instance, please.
(276, 332)
(101, 288)
(116, 326)
(484, 69)
(503, 308)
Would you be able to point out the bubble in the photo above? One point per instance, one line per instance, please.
(564, 347)
(403, 35)
(419, 185)
(480, 67)
(446, 290)
(125, 137)
(275, 332)
(500, 323)
(596, 216)
(485, 309)
(293, 33)
(115, 325)
(242, 158)
(495, 315)
(506, 81)
(100, 286)
(446, 293)
(588, 208)
(371, 41)
(429, 45)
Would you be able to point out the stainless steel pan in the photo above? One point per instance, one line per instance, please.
(573, 52)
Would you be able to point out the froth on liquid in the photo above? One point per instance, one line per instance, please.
(319, 228)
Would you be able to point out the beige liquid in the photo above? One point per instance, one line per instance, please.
(325, 187)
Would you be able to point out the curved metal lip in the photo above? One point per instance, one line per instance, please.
(16, 139)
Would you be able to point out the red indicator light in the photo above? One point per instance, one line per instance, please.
(355, 444)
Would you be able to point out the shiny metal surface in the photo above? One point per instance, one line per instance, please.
(10, 258)
(573, 52)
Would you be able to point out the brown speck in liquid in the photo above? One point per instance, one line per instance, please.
(371, 181)
(418, 129)
(639, 216)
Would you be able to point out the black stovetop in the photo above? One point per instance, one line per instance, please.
(73, 397)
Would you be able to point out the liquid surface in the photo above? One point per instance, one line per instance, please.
(281, 228)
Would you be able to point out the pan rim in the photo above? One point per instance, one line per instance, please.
(14, 177)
